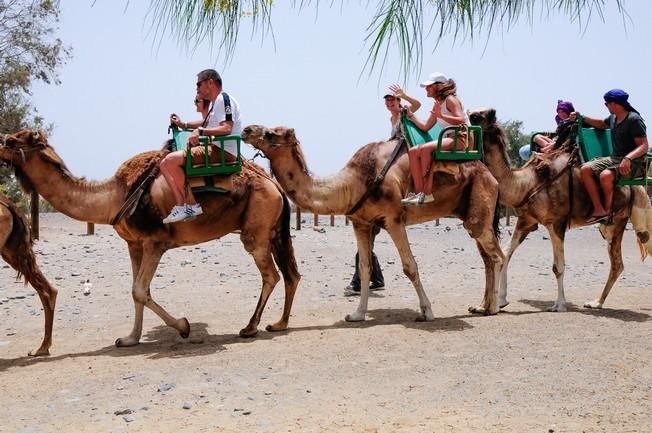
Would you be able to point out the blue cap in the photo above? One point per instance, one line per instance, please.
(620, 97)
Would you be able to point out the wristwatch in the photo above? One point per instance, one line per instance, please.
(201, 131)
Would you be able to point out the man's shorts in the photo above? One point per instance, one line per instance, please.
(214, 155)
(600, 164)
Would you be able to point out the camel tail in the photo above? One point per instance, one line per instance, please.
(282, 248)
(496, 221)
(641, 219)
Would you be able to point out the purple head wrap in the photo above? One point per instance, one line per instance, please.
(566, 106)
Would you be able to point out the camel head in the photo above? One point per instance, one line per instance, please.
(484, 117)
(16, 148)
(267, 140)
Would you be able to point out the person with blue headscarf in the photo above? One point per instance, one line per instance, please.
(629, 139)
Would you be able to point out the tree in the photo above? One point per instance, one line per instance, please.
(29, 52)
(516, 140)
(403, 25)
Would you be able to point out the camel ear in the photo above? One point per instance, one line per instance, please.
(491, 116)
(289, 135)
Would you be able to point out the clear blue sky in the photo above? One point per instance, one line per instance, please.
(121, 84)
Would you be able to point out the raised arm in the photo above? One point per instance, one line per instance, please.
(414, 104)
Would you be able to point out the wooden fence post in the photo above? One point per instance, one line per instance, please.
(332, 220)
(90, 228)
(315, 218)
(346, 220)
(298, 221)
(507, 212)
(33, 204)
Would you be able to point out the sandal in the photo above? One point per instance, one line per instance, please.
(597, 219)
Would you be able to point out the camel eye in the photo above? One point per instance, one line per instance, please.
(269, 136)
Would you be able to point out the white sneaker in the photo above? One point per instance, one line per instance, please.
(426, 199)
(177, 214)
(417, 200)
(408, 198)
(193, 211)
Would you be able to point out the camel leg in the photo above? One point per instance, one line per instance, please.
(493, 259)
(291, 280)
(523, 228)
(363, 236)
(22, 259)
(614, 237)
(557, 234)
(411, 270)
(263, 259)
(146, 258)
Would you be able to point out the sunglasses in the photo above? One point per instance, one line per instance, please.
(197, 101)
(201, 81)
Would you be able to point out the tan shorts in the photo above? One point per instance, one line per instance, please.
(214, 155)
(600, 164)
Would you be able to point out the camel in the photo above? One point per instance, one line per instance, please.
(468, 192)
(255, 206)
(546, 200)
(16, 249)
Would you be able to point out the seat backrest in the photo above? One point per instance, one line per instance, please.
(593, 142)
(415, 136)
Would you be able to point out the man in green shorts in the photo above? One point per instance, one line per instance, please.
(629, 139)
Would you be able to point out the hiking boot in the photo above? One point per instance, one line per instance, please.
(377, 285)
(193, 211)
(177, 214)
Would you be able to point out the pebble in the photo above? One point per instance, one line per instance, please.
(128, 418)
(126, 411)
(187, 405)
(166, 387)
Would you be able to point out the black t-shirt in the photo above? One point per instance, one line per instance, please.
(624, 133)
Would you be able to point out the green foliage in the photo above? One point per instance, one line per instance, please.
(401, 25)
(516, 140)
(29, 52)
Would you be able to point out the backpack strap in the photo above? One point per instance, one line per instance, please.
(228, 112)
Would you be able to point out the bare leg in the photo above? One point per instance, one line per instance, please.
(172, 170)
(607, 181)
(415, 169)
(591, 187)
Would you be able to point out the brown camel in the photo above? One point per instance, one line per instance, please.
(255, 206)
(544, 199)
(469, 193)
(16, 249)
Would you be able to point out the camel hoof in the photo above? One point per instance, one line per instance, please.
(125, 342)
(39, 352)
(594, 305)
(276, 327)
(557, 308)
(355, 317)
(183, 326)
(248, 332)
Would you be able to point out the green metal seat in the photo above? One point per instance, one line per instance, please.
(414, 137)
(206, 169)
(594, 143)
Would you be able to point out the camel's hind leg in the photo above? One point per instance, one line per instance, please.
(524, 227)
(363, 237)
(144, 261)
(614, 237)
(18, 252)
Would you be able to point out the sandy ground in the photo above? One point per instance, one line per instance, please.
(524, 370)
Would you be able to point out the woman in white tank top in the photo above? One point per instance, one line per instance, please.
(447, 111)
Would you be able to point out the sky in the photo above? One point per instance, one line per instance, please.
(122, 82)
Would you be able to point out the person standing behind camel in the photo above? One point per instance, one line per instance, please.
(629, 139)
(393, 104)
(223, 118)
(447, 111)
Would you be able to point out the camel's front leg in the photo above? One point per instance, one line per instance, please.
(522, 229)
(614, 237)
(48, 297)
(559, 265)
(363, 236)
(146, 259)
(399, 236)
(270, 276)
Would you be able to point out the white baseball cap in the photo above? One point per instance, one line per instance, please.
(435, 77)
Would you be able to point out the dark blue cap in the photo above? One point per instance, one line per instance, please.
(620, 97)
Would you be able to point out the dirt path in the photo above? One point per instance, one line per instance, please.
(524, 370)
